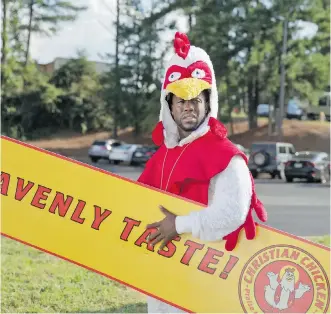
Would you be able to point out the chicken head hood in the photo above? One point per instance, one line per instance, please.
(187, 74)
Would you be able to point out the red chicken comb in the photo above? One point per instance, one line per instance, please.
(182, 45)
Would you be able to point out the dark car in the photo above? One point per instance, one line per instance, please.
(143, 154)
(269, 157)
(312, 166)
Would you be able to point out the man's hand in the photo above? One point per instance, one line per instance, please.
(166, 228)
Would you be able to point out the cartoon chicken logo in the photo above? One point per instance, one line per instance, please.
(284, 279)
(282, 294)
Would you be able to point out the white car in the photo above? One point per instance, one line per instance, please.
(122, 153)
(100, 149)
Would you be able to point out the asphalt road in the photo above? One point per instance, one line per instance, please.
(300, 208)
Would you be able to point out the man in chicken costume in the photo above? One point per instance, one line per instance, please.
(196, 161)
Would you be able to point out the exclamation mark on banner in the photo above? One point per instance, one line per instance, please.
(229, 266)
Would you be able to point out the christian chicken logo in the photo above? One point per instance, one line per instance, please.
(281, 294)
(284, 279)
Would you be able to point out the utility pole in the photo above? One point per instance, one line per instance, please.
(282, 80)
(118, 83)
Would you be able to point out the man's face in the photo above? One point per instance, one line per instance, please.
(188, 114)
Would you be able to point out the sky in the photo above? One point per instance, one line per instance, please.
(93, 32)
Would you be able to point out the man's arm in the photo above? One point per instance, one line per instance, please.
(229, 206)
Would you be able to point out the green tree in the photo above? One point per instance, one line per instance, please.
(45, 17)
(79, 105)
(139, 62)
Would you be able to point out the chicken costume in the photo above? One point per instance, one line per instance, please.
(205, 166)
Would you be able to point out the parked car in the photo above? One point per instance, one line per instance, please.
(122, 153)
(262, 110)
(143, 154)
(295, 111)
(323, 106)
(312, 166)
(100, 149)
(269, 157)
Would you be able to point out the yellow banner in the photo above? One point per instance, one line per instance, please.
(97, 220)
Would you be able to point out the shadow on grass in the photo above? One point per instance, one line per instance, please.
(139, 307)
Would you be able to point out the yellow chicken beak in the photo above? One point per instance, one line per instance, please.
(188, 88)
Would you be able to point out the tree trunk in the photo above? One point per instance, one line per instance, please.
(229, 104)
(4, 41)
(190, 22)
(274, 118)
(252, 121)
(256, 96)
(136, 114)
(118, 82)
(29, 32)
(137, 128)
(245, 102)
(254, 99)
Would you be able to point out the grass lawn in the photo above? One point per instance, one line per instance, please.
(321, 240)
(33, 281)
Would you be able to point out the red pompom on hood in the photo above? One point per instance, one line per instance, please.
(182, 45)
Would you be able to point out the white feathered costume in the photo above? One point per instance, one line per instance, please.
(230, 194)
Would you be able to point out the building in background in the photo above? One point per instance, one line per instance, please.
(49, 68)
